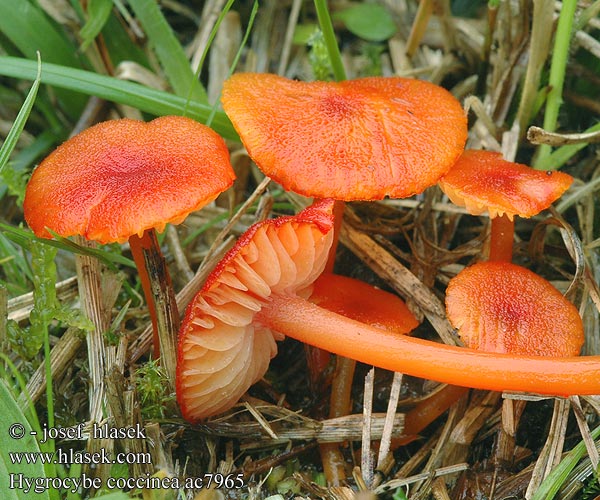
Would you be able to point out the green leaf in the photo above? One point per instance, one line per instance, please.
(12, 415)
(149, 100)
(369, 21)
(98, 12)
(303, 32)
(169, 51)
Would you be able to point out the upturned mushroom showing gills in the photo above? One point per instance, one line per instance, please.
(122, 179)
(505, 308)
(360, 139)
(482, 181)
(257, 294)
(222, 350)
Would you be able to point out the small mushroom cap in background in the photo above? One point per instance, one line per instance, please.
(360, 139)
(122, 177)
(362, 302)
(483, 181)
(222, 350)
(504, 308)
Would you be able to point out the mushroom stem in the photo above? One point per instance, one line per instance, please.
(501, 241)
(338, 216)
(160, 297)
(461, 366)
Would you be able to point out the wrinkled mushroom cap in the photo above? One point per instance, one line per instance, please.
(504, 308)
(482, 181)
(362, 302)
(222, 351)
(359, 139)
(122, 177)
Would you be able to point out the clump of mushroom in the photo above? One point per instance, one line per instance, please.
(497, 306)
(259, 290)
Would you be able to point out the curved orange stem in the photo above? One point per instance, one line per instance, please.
(501, 240)
(311, 324)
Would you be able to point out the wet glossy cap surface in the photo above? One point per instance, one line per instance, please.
(483, 181)
(504, 308)
(222, 350)
(121, 177)
(359, 139)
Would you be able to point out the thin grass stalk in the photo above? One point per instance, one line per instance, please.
(330, 41)
(211, 37)
(556, 79)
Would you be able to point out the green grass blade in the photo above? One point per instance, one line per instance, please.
(15, 266)
(557, 477)
(237, 55)
(556, 80)
(11, 414)
(149, 100)
(170, 54)
(19, 123)
(26, 26)
(331, 43)
(211, 37)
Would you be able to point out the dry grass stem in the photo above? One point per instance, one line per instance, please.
(441, 471)
(222, 53)
(384, 447)
(93, 305)
(366, 456)
(261, 421)
(551, 453)
(399, 278)
(537, 135)
(590, 445)
(61, 356)
(126, 413)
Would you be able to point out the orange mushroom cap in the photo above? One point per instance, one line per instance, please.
(482, 181)
(504, 308)
(362, 302)
(221, 350)
(122, 177)
(358, 139)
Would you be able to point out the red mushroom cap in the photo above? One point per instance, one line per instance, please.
(358, 139)
(221, 350)
(362, 302)
(504, 308)
(482, 181)
(122, 177)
